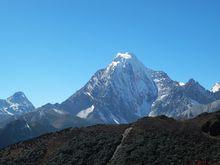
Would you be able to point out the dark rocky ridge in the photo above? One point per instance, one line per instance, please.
(158, 140)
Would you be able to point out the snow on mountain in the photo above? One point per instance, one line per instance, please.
(216, 88)
(16, 105)
(170, 101)
(84, 113)
(181, 84)
(175, 99)
(125, 90)
(120, 93)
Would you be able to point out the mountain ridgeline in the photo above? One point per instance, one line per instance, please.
(126, 90)
(121, 93)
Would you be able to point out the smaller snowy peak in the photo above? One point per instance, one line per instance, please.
(216, 88)
(18, 96)
(16, 104)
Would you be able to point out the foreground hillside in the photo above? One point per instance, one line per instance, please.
(158, 140)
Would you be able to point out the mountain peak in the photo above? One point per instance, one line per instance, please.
(194, 85)
(192, 81)
(126, 55)
(120, 93)
(17, 104)
(19, 94)
(125, 60)
(17, 97)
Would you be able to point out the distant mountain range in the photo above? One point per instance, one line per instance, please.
(123, 92)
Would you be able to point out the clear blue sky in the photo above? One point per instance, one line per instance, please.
(51, 48)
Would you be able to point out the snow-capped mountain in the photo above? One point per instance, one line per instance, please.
(16, 105)
(125, 91)
(170, 101)
(120, 93)
(216, 88)
(177, 99)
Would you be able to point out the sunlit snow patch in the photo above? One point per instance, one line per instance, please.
(85, 113)
(181, 83)
(58, 111)
(216, 88)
